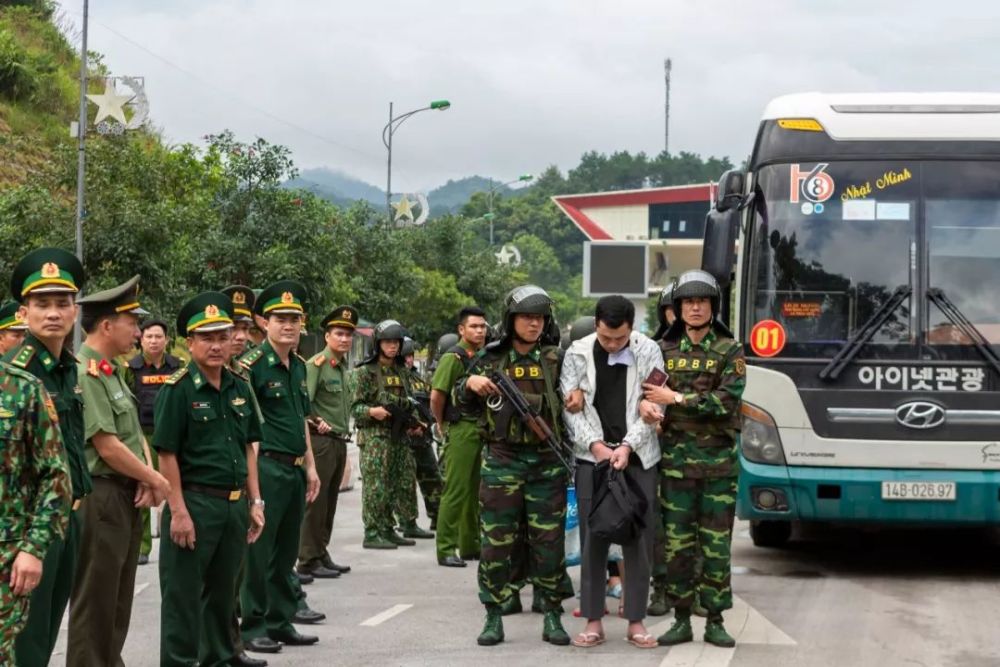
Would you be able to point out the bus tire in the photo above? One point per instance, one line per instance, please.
(771, 534)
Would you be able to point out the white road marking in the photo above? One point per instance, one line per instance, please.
(140, 588)
(746, 624)
(378, 619)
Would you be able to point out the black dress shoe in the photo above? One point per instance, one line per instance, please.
(451, 561)
(307, 616)
(304, 578)
(293, 638)
(330, 565)
(320, 572)
(244, 660)
(262, 645)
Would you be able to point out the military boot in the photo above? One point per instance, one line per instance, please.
(680, 632)
(715, 632)
(511, 605)
(374, 540)
(492, 633)
(397, 540)
(538, 602)
(413, 530)
(658, 604)
(552, 629)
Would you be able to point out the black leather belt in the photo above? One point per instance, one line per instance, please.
(287, 459)
(232, 495)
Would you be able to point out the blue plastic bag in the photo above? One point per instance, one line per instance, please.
(572, 529)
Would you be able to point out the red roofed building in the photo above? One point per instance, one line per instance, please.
(671, 220)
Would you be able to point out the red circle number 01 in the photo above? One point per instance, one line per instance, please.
(767, 338)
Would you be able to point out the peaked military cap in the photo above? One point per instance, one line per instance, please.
(341, 316)
(121, 299)
(243, 299)
(209, 311)
(46, 270)
(282, 298)
(10, 318)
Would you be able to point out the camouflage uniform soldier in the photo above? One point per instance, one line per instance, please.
(36, 509)
(706, 372)
(46, 281)
(387, 467)
(522, 479)
(12, 327)
(422, 447)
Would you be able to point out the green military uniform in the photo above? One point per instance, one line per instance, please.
(458, 517)
(328, 383)
(388, 471)
(425, 462)
(267, 598)
(523, 480)
(111, 532)
(35, 511)
(700, 465)
(208, 430)
(53, 271)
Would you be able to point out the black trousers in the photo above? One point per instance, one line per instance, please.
(638, 557)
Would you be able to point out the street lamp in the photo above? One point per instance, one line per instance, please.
(390, 129)
(523, 178)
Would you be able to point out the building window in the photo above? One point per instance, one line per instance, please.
(682, 227)
(666, 226)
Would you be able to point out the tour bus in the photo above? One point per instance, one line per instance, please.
(866, 295)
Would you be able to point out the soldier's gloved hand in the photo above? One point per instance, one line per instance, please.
(182, 530)
(378, 413)
(573, 403)
(25, 573)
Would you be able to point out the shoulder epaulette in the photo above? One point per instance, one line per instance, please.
(92, 368)
(175, 378)
(318, 360)
(252, 357)
(23, 356)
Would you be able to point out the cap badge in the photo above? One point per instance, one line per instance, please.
(50, 270)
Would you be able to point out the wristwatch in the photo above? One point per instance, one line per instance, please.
(257, 501)
(678, 399)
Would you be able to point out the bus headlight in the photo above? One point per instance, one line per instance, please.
(760, 441)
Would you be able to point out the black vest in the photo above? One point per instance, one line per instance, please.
(147, 382)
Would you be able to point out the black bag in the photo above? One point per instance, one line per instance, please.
(618, 512)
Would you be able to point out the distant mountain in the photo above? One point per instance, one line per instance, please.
(344, 190)
(338, 187)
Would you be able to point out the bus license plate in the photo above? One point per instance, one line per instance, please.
(918, 490)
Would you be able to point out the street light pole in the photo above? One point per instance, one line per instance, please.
(493, 189)
(387, 132)
(81, 161)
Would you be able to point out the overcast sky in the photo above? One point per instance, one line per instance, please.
(532, 82)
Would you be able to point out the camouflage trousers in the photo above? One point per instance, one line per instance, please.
(13, 608)
(388, 481)
(698, 517)
(428, 476)
(522, 487)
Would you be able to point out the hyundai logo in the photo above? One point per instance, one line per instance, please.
(920, 415)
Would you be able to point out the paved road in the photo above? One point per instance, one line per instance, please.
(834, 597)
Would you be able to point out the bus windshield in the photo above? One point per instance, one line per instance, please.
(832, 242)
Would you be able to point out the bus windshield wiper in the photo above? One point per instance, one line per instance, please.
(958, 318)
(864, 333)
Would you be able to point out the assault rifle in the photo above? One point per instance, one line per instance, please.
(511, 395)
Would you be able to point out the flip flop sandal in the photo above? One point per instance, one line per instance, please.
(588, 640)
(642, 641)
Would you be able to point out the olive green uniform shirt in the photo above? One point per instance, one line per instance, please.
(108, 407)
(207, 428)
(283, 397)
(329, 394)
(450, 369)
(60, 380)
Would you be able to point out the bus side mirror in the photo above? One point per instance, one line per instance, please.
(730, 190)
(719, 249)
